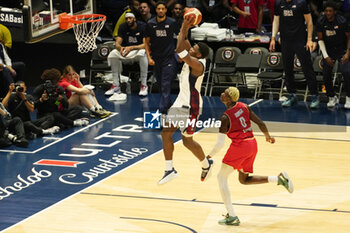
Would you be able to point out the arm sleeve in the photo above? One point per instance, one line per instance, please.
(220, 142)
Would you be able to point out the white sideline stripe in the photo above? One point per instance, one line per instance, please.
(255, 102)
(60, 139)
(111, 175)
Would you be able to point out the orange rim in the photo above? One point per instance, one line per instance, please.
(87, 18)
(78, 19)
(67, 21)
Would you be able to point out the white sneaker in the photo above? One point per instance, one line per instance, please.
(283, 98)
(52, 130)
(81, 122)
(117, 97)
(143, 90)
(112, 90)
(168, 176)
(108, 78)
(90, 87)
(347, 103)
(332, 101)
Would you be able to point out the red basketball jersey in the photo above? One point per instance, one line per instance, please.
(240, 125)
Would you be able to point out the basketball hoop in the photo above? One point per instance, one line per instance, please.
(86, 28)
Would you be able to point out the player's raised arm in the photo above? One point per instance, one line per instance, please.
(183, 50)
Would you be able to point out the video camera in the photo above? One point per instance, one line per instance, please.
(52, 91)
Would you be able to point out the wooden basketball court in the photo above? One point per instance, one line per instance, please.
(131, 201)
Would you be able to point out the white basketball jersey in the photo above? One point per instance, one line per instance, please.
(190, 88)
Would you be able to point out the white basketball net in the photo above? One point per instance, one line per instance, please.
(86, 33)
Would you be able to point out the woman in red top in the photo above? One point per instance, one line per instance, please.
(77, 94)
(236, 124)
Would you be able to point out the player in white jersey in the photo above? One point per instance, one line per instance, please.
(186, 107)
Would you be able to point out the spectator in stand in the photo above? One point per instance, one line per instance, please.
(178, 15)
(333, 33)
(129, 48)
(145, 12)
(79, 95)
(49, 98)
(250, 14)
(20, 104)
(5, 36)
(133, 7)
(160, 49)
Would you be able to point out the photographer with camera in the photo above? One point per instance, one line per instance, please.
(11, 128)
(20, 104)
(49, 98)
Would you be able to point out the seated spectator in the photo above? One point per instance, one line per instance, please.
(250, 15)
(5, 36)
(145, 11)
(20, 104)
(77, 94)
(49, 98)
(15, 128)
(8, 71)
(133, 7)
(129, 48)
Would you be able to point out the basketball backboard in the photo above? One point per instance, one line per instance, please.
(40, 17)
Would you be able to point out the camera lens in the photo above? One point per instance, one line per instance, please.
(19, 89)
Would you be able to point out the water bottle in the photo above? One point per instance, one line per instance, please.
(128, 88)
(227, 37)
(270, 96)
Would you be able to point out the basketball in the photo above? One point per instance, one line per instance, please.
(193, 13)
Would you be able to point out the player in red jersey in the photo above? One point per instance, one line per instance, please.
(236, 124)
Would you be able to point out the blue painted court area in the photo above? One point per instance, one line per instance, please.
(56, 167)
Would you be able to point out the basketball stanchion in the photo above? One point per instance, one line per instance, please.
(86, 28)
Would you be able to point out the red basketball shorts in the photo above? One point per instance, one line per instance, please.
(241, 155)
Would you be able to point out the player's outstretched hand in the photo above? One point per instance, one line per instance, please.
(270, 140)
